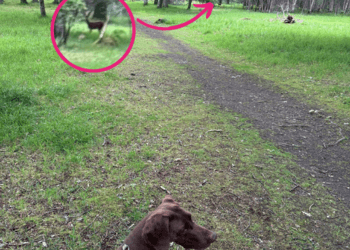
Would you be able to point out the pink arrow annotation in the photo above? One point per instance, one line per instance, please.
(207, 7)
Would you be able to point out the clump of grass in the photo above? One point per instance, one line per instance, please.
(56, 91)
(18, 109)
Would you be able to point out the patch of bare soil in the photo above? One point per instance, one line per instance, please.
(317, 139)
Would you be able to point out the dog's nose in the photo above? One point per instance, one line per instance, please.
(213, 236)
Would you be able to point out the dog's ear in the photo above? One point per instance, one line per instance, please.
(156, 230)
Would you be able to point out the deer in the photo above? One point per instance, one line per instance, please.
(93, 25)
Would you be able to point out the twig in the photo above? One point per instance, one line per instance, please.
(294, 125)
(18, 244)
(214, 205)
(310, 207)
(248, 225)
(296, 186)
(215, 130)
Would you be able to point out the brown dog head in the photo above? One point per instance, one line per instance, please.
(170, 223)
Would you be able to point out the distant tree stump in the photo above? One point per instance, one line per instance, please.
(289, 19)
(161, 20)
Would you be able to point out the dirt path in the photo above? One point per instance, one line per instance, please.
(318, 142)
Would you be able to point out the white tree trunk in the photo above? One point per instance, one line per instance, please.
(102, 31)
(293, 5)
(346, 4)
(312, 5)
(271, 5)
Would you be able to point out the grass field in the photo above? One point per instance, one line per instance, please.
(81, 51)
(62, 186)
(309, 59)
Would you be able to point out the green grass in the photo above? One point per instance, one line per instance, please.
(81, 50)
(309, 59)
(60, 184)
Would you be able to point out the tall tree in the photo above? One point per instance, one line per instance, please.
(189, 4)
(42, 8)
(66, 18)
(24, 1)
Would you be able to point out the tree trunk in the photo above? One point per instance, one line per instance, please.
(102, 31)
(337, 7)
(160, 3)
(155, 2)
(145, 2)
(24, 1)
(189, 4)
(346, 3)
(60, 31)
(35, 1)
(331, 6)
(323, 4)
(66, 35)
(267, 5)
(1, 1)
(165, 3)
(42, 8)
(271, 6)
(227, 1)
(258, 4)
(219, 2)
(293, 5)
(261, 5)
(244, 3)
(312, 2)
(55, 2)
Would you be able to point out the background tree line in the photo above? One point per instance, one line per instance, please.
(308, 6)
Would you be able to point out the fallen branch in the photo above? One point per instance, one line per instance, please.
(294, 125)
(310, 207)
(214, 130)
(18, 244)
(294, 188)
